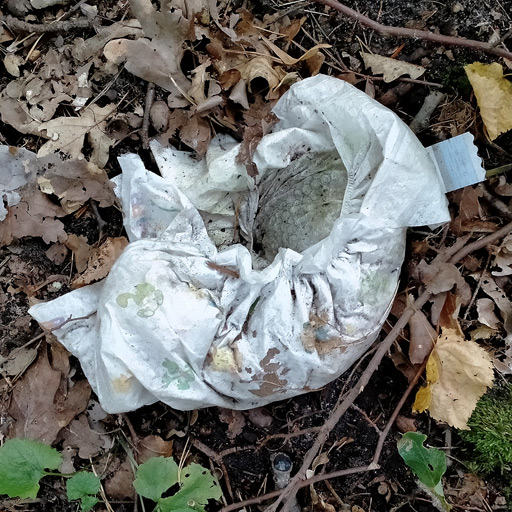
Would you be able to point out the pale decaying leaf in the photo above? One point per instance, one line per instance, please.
(157, 57)
(67, 134)
(458, 374)
(494, 96)
(391, 69)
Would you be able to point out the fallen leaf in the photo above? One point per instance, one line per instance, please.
(17, 361)
(500, 298)
(157, 57)
(38, 405)
(494, 96)
(422, 337)
(153, 446)
(486, 314)
(458, 374)
(81, 250)
(442, 277)
(391, 69)
(260, 417)
(100, 261)
(503, 258)
(119, 486)
(67, 134)
(235, 421)
(75, 182)
(78, 434)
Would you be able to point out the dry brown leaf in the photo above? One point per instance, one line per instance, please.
(78, 434)
(119, 486)
(235, 421)
(34, 215)
(500, 298)
(81, 250)
(196, 133)
(100, 261)
(38, 405)
(156, 59)
(422, 337)
(458, 374)
(17, 361)
(153, 446)
(442, 277)
(84, 50)
(405, 424)
(75, 182)
(391, 69)
(260, 417)
(494, 96)
(67, 134)
(289, 60)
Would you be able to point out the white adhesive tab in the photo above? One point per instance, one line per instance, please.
(457, 162)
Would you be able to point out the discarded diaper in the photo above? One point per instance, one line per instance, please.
(194, 315)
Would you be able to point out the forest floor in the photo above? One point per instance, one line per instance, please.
(50, 242)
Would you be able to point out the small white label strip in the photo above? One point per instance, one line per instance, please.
(457, 162)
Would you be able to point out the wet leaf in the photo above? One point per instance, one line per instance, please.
(494, 96)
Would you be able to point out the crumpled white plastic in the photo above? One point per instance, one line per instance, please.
(195, 323)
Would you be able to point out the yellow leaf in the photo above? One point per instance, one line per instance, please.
(494, 96)
(458, 373)
(423, 399)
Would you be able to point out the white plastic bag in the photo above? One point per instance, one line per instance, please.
(182, 321)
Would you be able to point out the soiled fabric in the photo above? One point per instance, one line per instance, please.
(189, 317)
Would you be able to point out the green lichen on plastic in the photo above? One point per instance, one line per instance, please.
(491, 433)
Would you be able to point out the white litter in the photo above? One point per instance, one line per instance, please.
(193, 319)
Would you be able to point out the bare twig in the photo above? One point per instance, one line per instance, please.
(384, 434)
(415, 34)
(150, 96)
(452, 254)
(218, 460)
(16, 25)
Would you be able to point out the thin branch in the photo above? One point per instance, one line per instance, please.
(415, 34)
(16, 25)
(451, 254)
(150, 96)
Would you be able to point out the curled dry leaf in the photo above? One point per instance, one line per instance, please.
(391, 69)
(458, 374)
(494, 96)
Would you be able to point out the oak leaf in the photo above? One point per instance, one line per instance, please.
(67, 134)
(391, 69)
